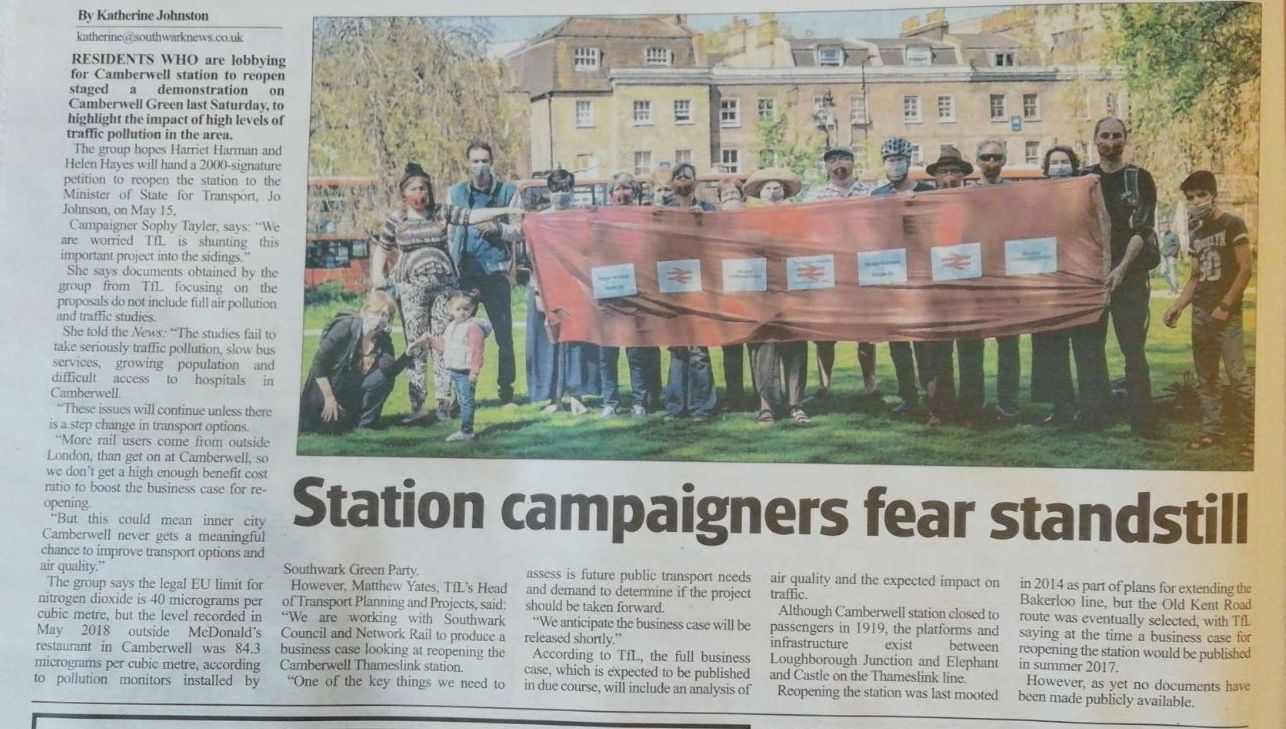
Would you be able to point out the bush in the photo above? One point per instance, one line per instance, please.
(331, 292)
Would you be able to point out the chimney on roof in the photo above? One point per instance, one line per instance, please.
(675, 19)
(935, 26)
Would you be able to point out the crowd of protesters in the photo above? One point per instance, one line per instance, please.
(454, 255)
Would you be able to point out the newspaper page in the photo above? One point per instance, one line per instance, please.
(416, 364)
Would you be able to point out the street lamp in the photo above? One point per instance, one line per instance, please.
(824, 116)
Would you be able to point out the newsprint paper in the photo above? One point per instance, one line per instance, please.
(293, 436)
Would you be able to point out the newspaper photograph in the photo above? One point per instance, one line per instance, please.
(652, 366)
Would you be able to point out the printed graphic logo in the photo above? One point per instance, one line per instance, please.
(676, 277)
(804, 273)
(1031, 256)
(613, 281)
(877, 268)
(745, 275)
(953, 263)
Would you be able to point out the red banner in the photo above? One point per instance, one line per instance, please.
(972, 262)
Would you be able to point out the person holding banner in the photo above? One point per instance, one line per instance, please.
(991, 156)
(1130, 197)
(937, 370)
(644, 362)
(690, 390)
(554, 368)
(1051, 371)
(424, 273)
(768, 360)
(732, 197)
(841, 184)
(896, 153)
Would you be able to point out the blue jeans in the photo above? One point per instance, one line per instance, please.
(645, 375)
(1213, 341)
(464, 397)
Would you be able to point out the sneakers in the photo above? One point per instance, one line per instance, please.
(578, 407)
(903, 407)
(461, 437)
(609, 411)
(415, 416)
(800, 417)
(638, 411)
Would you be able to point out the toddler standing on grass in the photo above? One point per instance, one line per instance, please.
(461, 349)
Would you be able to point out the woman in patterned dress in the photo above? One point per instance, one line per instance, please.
(424, 273)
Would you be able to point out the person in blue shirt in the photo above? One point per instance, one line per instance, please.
(483, 254)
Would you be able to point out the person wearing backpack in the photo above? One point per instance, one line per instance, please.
(1130, 196)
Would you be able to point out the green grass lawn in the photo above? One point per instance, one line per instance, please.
(846, 428)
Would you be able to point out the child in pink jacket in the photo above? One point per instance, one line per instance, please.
(461, 349)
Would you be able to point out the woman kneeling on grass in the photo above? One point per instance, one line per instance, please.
(354, 369)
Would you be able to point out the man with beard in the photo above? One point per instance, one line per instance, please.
(1130, 197)
(840, 183)
(483, 254)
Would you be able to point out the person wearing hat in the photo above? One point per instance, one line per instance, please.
(896, 153)
(840, 184)
(768, 360)
(1222, 259)
(424, 272)
(689, 389)
(937, 366)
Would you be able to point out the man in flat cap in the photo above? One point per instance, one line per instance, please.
(840, 183)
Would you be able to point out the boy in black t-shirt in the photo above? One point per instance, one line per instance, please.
(1221, 269)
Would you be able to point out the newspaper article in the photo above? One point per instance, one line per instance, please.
(648, 366)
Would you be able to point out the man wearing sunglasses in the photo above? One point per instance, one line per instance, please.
(1130, 197)
(991, 157)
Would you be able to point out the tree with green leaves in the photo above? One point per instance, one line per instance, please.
(1192, 72)
(391, 90)
(781, 146)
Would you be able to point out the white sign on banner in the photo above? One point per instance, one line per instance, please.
(745, 275)
(1030, 256)
(952, 263)
(804, 273)
(612, 281)
(875, 268)
(677, 277)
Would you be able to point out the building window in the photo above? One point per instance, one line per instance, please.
(730, 160)
(918, 56)
(857, 111)
(1032, 153)
(917, 155)
(946, 108)
(1082, 102)
(584, 163)
(657, 57)
(729, 113)
(998, 107)
(642, 112)
(767, 109)
(584, 59)
(683, 111)
(682, 157)
(1002, 58)
(643, 163)
(830, 56)
(584, 113)
(1031, 107)
(911, 109)
(1113, 102)
(943, 147)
